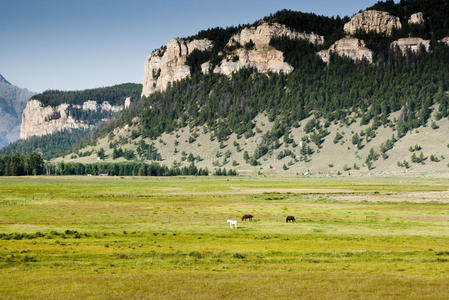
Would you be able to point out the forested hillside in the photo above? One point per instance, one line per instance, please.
(371, 110)
(51, 145)
(114, 95)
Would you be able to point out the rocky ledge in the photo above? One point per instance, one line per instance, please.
(412, 45)
(39, 120)
(373, 21)
(352, 48)
(168, 64)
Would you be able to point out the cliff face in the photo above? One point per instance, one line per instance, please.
(263, 57)
(168, 65)
(12, 103)
(39, 120)
(410, 45)
(163, 66)
(445, 40)
(373, 20)
(352, 48)
(416, 19)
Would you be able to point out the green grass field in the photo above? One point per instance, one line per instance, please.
(167, 238)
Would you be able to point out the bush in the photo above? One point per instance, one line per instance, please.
(434, 125)
(196, 254)
(434, 158)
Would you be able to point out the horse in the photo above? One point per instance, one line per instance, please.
(247, 217)
(290, 219)
(232, 223)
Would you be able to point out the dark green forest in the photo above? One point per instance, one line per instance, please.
(332, 91)
(51, 145)
(33, 164)
(115, 95)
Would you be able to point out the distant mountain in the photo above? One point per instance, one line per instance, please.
(56, 121)
(12, 103)
(3, 80)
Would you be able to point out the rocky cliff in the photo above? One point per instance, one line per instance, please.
(412, 45)
(373, 21)
(352, 48)
(445, 40)
(12, 103)
(262, 56)
(168, 64)
(39, 120)
(416, 19)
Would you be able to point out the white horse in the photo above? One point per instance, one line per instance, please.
(232, 223)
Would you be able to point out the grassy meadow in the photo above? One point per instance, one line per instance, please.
(167, 238)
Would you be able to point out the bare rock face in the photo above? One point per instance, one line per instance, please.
(127, 102)
(168, 65)
(264, 60)
(261, 55)
(262, 35)
(410, 45)
(39, 120)
(353, 48)
(373, 20)
(12, 103)
(445, 40)
(417, 18)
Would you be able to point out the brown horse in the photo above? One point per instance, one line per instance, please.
(290, 219)
(247, 217)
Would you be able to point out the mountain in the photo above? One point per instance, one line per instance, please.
(56, 111)
(54, 122)
(295, 93)
(12, 103)
(3, 80)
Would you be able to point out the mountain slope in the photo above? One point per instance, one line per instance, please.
(296, 93)
(56, 122)
(12, 103)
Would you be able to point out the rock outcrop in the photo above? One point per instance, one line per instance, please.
(410, 45)
(261, 55)
(39, 120)
(416, 19)
(373, 21)
(352, 48)
(445, 40)
(264, 60)
(167, 65)
(261, 35)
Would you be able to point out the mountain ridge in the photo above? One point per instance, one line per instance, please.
(12, 103)
(371, 89)
(3, 79)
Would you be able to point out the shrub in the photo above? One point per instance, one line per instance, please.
(196, 254)
(434, 158)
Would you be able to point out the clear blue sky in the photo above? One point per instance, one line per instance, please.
(78, 44)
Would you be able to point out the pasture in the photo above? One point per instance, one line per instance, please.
(168, 238)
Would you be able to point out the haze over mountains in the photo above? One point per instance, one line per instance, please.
(12, 103)
(283, 95)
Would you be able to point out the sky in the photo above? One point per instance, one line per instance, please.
(79, 44)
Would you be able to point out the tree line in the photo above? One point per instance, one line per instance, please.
(34, 164)
(115, 95)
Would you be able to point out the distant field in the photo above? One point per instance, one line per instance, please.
(167, 238)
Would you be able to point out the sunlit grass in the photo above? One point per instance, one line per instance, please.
(77, 237)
